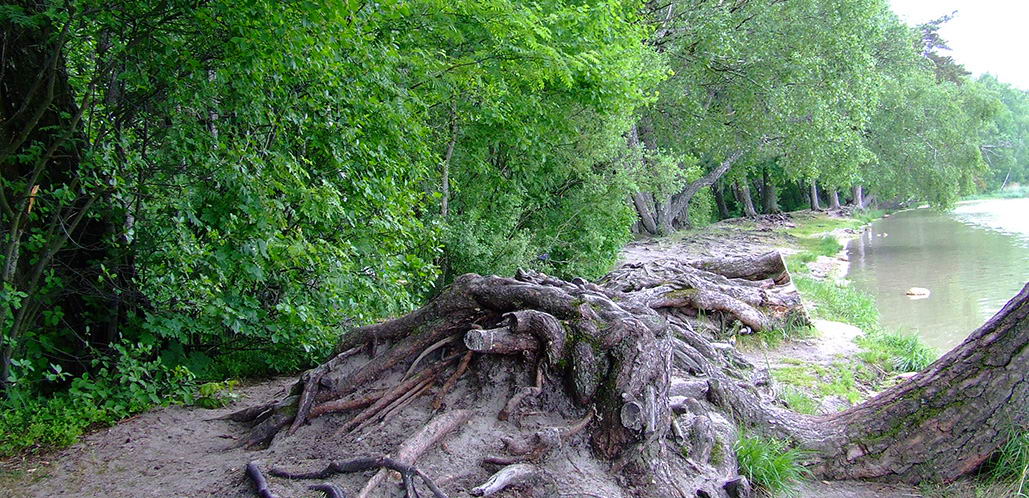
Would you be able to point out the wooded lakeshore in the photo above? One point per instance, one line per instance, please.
(558, 248)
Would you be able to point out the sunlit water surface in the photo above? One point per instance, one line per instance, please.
(973, 259)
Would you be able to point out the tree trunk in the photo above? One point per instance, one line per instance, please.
(813, 195)
(645, 208)
(769, 195)
(858, 200)
(445, 180)
(680, 203)
(38, 111)
(719, 191)
(947, 420)
(742, 192)
(834, 199)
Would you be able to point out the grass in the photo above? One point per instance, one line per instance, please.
(840, 303)
(896, 351)
(1008, 193)
(1010, 465)
(771, 339)
(770, 463)
(798, 400)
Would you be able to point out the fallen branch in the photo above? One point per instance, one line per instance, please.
(516, 401)
(451, 381)
(331, 490)
(340, 405)
(402, 389)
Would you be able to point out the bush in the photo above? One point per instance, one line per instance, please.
(125, 383)
(770, 463)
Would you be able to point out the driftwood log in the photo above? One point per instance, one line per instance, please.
(657, 398)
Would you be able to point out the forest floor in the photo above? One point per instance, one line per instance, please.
(183, 451)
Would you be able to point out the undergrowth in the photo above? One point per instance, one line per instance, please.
(124, 384)
(1010, 465)
(770, 464)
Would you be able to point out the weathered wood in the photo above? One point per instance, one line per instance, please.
(769, 265)
(416, 445)
(437, 402)
(516, 401)
(500, 340)
(360, 465)
(511, 475)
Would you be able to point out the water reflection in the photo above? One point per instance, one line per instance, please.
(973, 260)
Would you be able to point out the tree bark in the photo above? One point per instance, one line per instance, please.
(719, 191)
(813, 196)
(742, 192)
(623, 358)
(769, 195)
(680, 204)
(947, 420)
(858, 198)
(834, 199)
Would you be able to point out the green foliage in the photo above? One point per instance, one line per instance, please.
(216, 394)
(124, 383)
(770, 463)
(837, 302)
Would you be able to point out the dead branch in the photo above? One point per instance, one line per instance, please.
(507, 476)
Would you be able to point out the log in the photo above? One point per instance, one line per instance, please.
(769, 265)
(511, 475)
(500, 340)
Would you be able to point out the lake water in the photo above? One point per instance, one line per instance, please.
(973, 259)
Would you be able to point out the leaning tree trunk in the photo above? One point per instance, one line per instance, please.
(742, 192)
(834, 199)
(633, 362)
(858, 198)
(947, 420)
(813, 195)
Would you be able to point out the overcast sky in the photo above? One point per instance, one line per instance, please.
(987, 36)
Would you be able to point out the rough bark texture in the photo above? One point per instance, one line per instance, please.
(858, 199)
(834, 199)
(719, 191)
(946, 421)
(742, 192)
(769, 195)
(651, 395)
(813, 196)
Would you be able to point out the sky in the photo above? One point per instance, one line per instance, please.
(987, 36)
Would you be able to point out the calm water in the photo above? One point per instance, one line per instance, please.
(973, 260)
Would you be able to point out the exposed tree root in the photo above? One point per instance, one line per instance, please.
(260, 483)
(507, 476)
(632, 363)
(361, 464)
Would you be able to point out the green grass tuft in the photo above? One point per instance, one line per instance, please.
(798, 401)
(896, 351)
(1010, 465)
(839, 303)
(770, 463)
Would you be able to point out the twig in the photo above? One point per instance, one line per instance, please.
(417, 444)
(331, 490)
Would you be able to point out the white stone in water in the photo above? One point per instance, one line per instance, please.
(917, 293)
